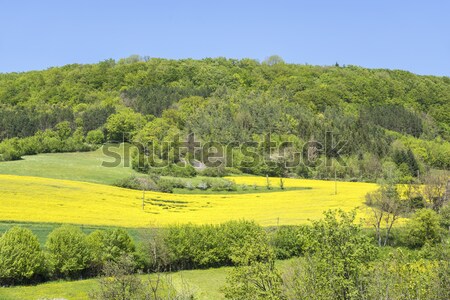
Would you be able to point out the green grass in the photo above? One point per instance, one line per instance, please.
(206, 284)
(79, 166)
(43, 229)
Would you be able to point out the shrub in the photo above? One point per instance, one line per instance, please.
(223, 185)
(214, 172)
(95, 137)
(137, 183)
(206, 246)
(165, 186)
(10, 150)
(203, 186)
(424, 227)
(21, 258)
(289, 241)
(68, 251)
(109, 245)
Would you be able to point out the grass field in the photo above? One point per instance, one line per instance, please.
(80, 166)
(34, 199)
(206, 285)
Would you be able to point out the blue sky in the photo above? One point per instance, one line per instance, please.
(395, 34)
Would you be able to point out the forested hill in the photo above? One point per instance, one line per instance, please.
(382, 114)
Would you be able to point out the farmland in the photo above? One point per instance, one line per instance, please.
(34, 199)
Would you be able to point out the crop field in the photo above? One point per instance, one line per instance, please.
(35, 199)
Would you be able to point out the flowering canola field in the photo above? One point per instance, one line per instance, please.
(34, 199)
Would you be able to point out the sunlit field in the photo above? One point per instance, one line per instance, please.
(34, 199)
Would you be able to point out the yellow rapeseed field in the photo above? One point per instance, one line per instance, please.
(35, 199)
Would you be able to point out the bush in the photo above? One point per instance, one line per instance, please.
(205, 246)
(109, 245)
(289, 241)
(10, 150)
(68, 251)
(95, 137)
(21, 258)
(137, 183)
(223, 185)
(214, 172)
(424, 227)
(165, 186)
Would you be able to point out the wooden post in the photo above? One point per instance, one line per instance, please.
(335, 182)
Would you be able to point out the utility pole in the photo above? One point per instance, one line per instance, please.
(335, 182)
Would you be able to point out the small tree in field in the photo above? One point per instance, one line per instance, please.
(21, 258)
(68, 251)
(386, 207)
(109, 245)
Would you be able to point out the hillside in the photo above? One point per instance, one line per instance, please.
(385, 118)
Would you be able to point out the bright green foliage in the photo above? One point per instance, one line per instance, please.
(110, 245)
(424, 227)
(289, 241)
(123, 125)
(21, 258)
(228, 100)
(337, 257)
(63, 130)
(68, 251)
(213, 245)
(255, 275)
(95, 137)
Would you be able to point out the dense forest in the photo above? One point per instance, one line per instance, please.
(388, 119)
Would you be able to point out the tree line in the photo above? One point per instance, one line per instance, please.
(334, 258)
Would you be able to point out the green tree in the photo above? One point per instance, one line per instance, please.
(337, 256)
(68, 251)
(95, 137)
(110, 245)
(255, 276)
(386, 207)
(21, 258)
(122, 125)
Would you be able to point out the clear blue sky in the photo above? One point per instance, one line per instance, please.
(396, 34)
